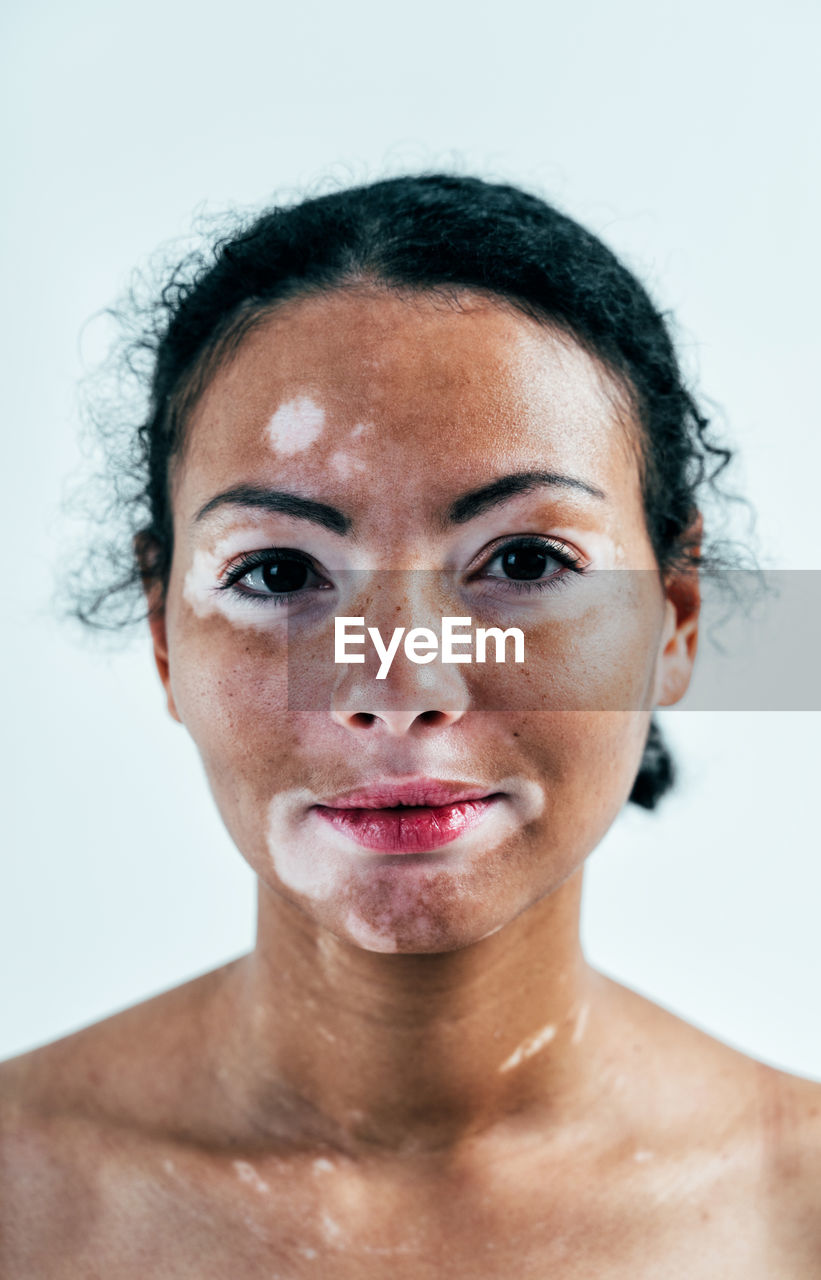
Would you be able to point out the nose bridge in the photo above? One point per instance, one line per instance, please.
(430, 692)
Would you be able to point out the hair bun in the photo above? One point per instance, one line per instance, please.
(657, 772)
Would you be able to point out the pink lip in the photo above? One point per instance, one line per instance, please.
(430, 814)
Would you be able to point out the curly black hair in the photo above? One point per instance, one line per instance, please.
(422, 231)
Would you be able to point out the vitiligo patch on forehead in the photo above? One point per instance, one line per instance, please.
(295, 425)
(345, 465)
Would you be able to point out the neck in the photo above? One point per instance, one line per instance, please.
(409, 1052)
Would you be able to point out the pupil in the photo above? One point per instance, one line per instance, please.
(284, 575)
(531, 562)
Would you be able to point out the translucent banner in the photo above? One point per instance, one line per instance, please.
(597, 640)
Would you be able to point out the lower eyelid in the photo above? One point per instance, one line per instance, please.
(277, 597)
(534, 586)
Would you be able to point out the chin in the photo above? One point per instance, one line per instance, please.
(418, 935)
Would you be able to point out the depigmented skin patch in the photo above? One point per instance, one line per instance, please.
(201, 589)
(363, 932)
(581, 1024)
(331, 1229)
(529, 1047)
(247, 1173)
(344, 465)
(390, 901)
(295, 425)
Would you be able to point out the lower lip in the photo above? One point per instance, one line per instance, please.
(408, 830)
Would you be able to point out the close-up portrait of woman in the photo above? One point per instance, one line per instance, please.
(417, 510)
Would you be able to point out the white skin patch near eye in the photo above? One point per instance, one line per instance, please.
(529, 1047)
(295, 425)
(201, 586)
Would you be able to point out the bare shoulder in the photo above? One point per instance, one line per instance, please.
(104, 1069)
(719, 1101)
(78, 1115)
(791, 1141)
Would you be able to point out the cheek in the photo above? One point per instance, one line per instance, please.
(587, 758)
(594, 648)
(587, 761)
(230, 689)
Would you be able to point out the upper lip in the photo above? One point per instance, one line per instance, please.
(385, 793)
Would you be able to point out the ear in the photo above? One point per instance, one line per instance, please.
(145, 549)
(679, 641)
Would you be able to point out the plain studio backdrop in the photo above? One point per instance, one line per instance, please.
(687, 137)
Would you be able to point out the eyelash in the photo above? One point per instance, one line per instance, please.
(556, 550)
(258, 559)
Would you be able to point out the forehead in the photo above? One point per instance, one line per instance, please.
(369, 382)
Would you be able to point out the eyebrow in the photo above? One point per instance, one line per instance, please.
(467, 507)
(474, 503)
(277, 500)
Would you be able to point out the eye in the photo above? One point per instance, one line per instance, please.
(526, 564)
(278, 574)
(524, 561)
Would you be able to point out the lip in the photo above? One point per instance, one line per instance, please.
(415, 816)
(427, 792)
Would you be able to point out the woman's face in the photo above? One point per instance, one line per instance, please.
(391, 409)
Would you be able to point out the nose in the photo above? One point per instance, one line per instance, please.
(412, 697)
(404, 702)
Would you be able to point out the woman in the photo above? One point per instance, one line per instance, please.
(426, 398)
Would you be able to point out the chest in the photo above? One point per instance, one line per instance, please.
(262, 1225)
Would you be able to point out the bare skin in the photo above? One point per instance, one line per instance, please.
(415, 1072)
